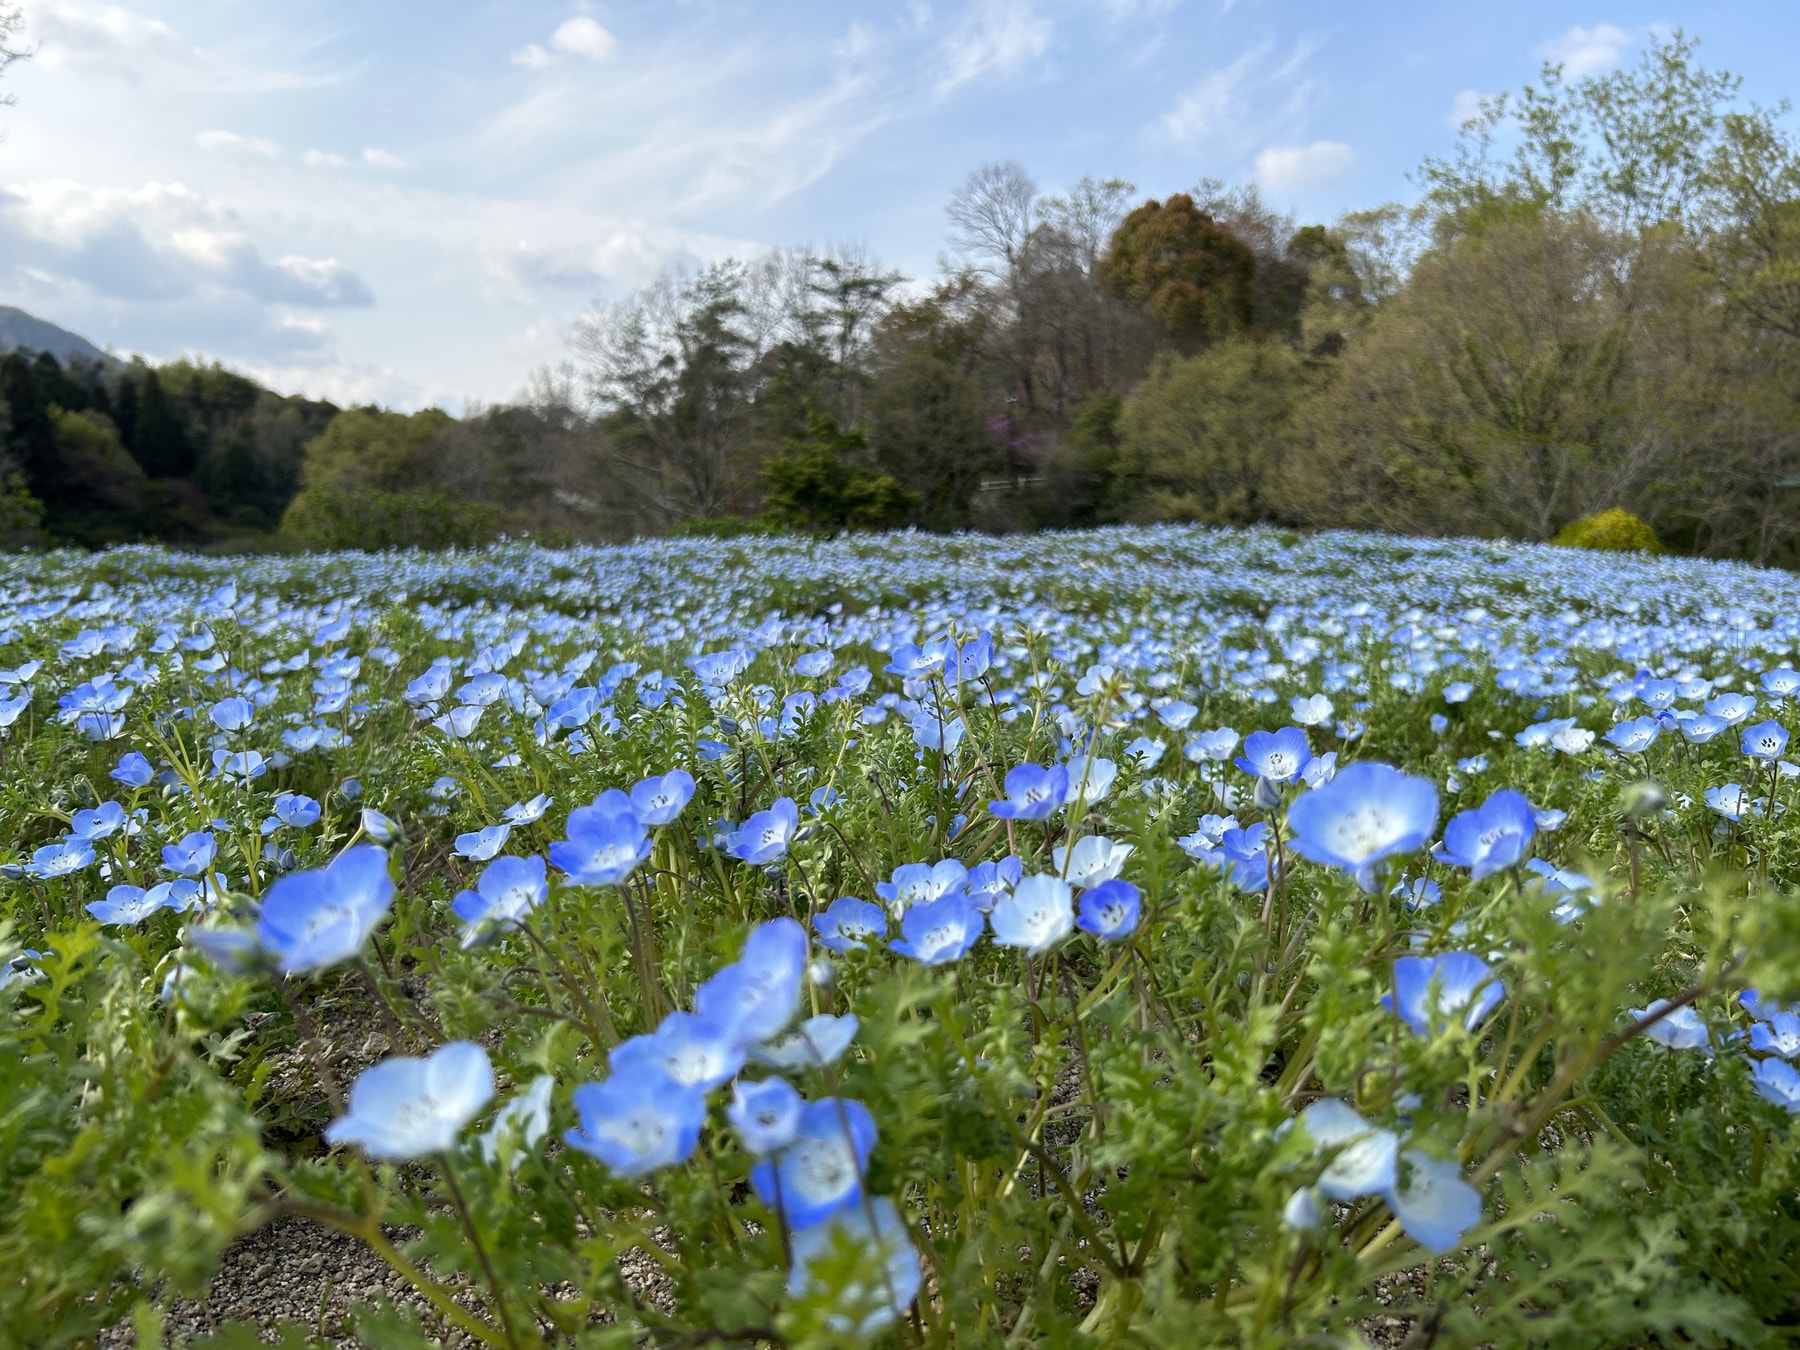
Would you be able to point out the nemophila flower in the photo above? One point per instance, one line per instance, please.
(1438, 723)
(1430, 991)
(192, 855)
(1206, 836)
(821, 1171)
(480, 845)
(940, 931)
(1092, 860)
(1679, 1030)
(1243, 855)
(766, 835)
(887, 1263)
(604, 847)
(243, 765)
(1758, 1006)
(101, 822)
(1782, 682)
(988, 881)
(460, 722)
(1145, 752)
(1215, 745)
(694, 1051)
(1780, 1035)
(1032, 792)
(509, 889)
(382, 829)
(527, 813)
(133, 770)
(1765, 741)
(766, 1115)
(293, 810)
(1110, 910)
(1702, 727)
(1091, 778)
(1731, 801)
(1732, 708)
(232, 714)
(311, 920)
(1636, 735)
(1364, 1156)
(919, 883)
(1775, 1080)
(20, 968)
(1433, 1203)
(1417, 892)
(1312, 711)
(638, 1122)
(1038, 914)
(1320, 769)
(412, 1108)
(660, 800)
(519, 1124)
(1368, 812)
(756, 996)
(848, 924)
(931, 732)
(1492, 837)
(1458, 691)
(816, 1043)
(1175, 714)
(1278, 756)
(133, 904)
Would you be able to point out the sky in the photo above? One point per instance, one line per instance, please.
(411, 203)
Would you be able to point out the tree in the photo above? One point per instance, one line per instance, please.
(994, 212)
(12, 25)
(1201, 438)
(159, 440)
(1192, 272)
(818, 483)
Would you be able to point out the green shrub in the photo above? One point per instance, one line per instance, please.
(1614, 531)
(367, 518)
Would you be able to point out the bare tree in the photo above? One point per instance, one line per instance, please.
(994, 212)
(12, 25)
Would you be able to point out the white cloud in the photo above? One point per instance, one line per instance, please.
(532, 57)
(1289, 168)
(1586, 51)
(1466, 105)
(855, 45)
(581, 36)
(230, 142)
(1215, 112)
(994, 37)
(322, 159)
(381, 159)
(162, 242)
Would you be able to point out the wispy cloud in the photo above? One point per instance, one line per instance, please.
(1465, 106)
(1259, 97)
(1586, 51)
(1283, 169)
(994, 38)
(231, 142)
(582, 36)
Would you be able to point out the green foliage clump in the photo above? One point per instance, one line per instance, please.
(371, 518)
(1612, 531)
(817, 484)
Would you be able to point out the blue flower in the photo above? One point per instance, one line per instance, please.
(1417, 892)
(410, 1108)
(988, 881)
(1038, 914)
(192, 856)
(931, 732)
(509, 889)
(821, 1171)
(1092, 860)
(1765, 741)
(1780, 1035)
(1734, 708)
(1635, 735)
(1431, 990)
(481, 845)
(293, 810)
(133, 904)
(232, 714)
(919, 883)
(1434, 1205)
(1775, 1080)
(848, 923)
(315, 919)
(1367, 813)
(101, 822)
(638, 1122)
(605, 844)
(765, 837)
(766, 1115)
(1032, 792)
(1679, 1030)
(694, 1051)
(1490, 838)
(816, 1043)
(382, 829)
(939, 931)
(888, 1276)
(133, 770)
(1110, 910)
(1278, 756)
(659, 801)
(519, 1124)
(1364, 1155)
(1214, 745)
(756, 996)
(61, 860)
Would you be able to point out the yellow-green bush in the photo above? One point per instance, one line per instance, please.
(1614, 531)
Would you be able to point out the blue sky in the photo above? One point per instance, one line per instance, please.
(409, 203)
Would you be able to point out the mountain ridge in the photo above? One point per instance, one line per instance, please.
(19, 329)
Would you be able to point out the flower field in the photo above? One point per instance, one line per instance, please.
(1149, 936)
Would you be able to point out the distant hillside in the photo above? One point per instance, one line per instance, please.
(19, 329)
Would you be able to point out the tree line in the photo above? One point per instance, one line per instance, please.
(1594, 304)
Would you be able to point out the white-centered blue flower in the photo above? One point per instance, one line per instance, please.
(410, 1108)
(1038, 914)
